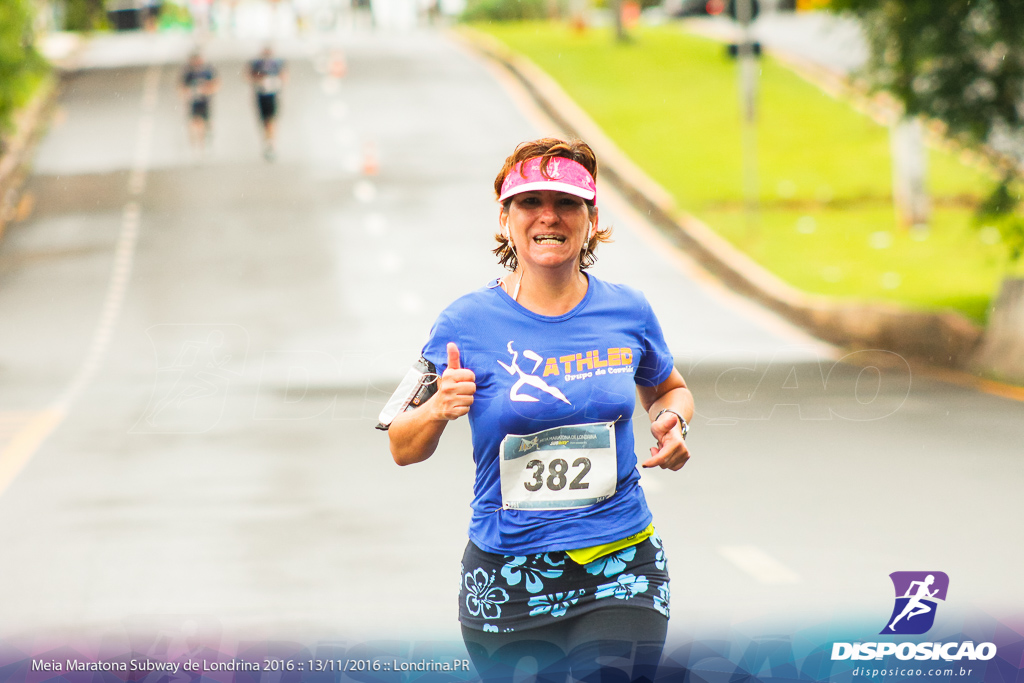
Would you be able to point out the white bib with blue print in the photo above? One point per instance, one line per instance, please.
(561, 468)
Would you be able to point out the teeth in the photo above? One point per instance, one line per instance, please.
(548, 239)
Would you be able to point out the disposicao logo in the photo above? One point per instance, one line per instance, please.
(917, 598)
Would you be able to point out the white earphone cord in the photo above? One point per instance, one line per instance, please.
(508, 236)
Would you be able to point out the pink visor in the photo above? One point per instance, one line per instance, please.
(563, 175)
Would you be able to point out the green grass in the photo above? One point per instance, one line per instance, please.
(175, 16)
(670, 101)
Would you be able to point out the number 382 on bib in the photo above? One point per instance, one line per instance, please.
(562, 468)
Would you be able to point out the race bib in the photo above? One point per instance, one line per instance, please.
(269, 85)
(560, 468)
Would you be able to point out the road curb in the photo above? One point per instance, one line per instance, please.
(944, 339)
(29, 125)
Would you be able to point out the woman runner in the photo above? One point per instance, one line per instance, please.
(563, 565)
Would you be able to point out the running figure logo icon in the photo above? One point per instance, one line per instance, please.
(527, 444)
(530, 379)
(917, 595)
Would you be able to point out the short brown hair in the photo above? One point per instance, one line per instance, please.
(546, 149)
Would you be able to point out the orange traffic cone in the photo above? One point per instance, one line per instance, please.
(370, 163)
(337, 67)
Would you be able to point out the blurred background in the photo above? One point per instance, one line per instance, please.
(202, 312)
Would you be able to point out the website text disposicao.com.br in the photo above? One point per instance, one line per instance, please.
(966, 652)
(902, 672)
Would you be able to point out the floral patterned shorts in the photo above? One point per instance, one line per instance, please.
(502, 593)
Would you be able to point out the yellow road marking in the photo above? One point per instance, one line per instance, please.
(24, 442)
(966, 379)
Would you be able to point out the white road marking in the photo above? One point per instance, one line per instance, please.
(151, 89)
(136, 181)
(339, 110)
(761, 566)
(375, 224)
(364, 191)
(124, 256)
(143, 144)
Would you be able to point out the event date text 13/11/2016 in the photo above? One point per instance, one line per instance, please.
(341, 665)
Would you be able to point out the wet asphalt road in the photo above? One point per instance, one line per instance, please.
(193, 352)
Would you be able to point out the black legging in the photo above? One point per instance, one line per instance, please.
(611, 645)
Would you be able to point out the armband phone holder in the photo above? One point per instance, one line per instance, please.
(419, 384)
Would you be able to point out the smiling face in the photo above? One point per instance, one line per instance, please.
(548, 228)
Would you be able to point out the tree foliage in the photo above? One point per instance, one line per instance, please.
(505, 10)
(83, 15)
(19, 61)
(962, 62)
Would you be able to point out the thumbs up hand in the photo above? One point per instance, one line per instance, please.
(455, 388)
(453, 356)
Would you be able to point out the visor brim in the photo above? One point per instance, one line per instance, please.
(554, 185)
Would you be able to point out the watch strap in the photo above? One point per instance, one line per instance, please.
(684, 427)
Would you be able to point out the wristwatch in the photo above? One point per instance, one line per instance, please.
(685, 428)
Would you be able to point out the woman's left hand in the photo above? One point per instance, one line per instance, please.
(671, 452)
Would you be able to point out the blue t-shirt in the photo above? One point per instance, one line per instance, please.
(196, 79)
(589, 360)
(266, 74)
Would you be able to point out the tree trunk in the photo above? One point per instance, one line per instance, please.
(1002, 348)
(620, 28)
(909, 171)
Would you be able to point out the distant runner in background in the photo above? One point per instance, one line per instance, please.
(267, 75)
(198, 84)
(151, 14)
(201, 12)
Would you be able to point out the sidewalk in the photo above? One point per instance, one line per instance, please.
(823, 39)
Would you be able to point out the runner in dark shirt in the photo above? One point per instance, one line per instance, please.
(198, 84)
(267, 75)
